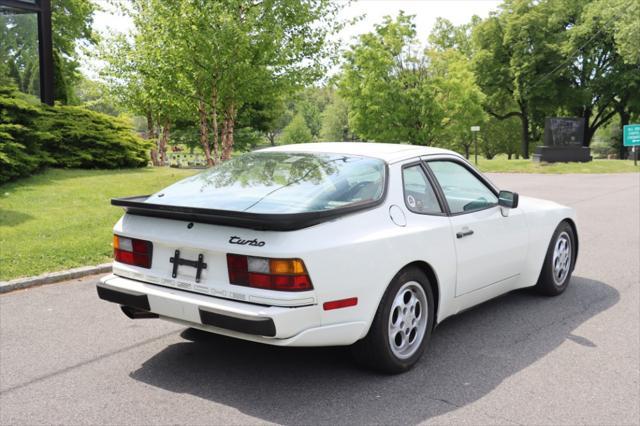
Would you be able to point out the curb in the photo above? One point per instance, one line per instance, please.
(53, 277)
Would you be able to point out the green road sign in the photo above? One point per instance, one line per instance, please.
(632, 135)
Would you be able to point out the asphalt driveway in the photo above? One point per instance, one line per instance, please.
(68, 358)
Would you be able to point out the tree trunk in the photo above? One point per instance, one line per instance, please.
(624, 120)
(602, 117)
(272, 138)
(232, 124)
(588, 135)
(223, 138)
(214, 125)
(162, 143)
(154, 157)
(151, 135)
(151, 132)
(525, 134)
(466, 151)
(204, 132)
(229, 119)
(508, 156)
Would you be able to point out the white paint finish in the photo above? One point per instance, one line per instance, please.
(494, 252)
(397, 215)
(353, 256)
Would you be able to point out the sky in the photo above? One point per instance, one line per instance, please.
(425, 11)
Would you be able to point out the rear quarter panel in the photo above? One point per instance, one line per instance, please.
(367, 251)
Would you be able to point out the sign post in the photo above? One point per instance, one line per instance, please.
(475, 130)
(631, 137)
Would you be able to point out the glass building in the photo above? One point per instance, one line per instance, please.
(26, 57)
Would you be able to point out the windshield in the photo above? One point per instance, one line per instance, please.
(280, 182)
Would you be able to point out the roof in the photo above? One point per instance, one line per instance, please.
(389, 152)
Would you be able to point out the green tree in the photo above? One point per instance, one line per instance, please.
(397, 93)
(621, 17)
(277, 126)
(296, 131)
(606, 140)
(560, 57)
(460, 98)
(500, 137)
(61, 92)
(515, 50)
(94, 95)
(267, 116)
(72, 27)
(141, 77)
(387, 87)
(312, 116)
(445, 36)
(246, 139)
(218, 56)
(603, 80)
(335, 121)
(311, 102)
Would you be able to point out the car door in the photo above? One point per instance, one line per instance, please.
(490, 241)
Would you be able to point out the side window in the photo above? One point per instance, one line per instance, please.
(462, 189)
(418, 192)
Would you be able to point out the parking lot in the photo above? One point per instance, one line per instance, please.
(68, 358)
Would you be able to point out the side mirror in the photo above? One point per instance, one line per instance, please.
(508, 199)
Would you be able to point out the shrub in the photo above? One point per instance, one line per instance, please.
(33, 136)
(88, 139)
(21, 142)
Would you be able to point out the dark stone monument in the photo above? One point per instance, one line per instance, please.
(563, 141)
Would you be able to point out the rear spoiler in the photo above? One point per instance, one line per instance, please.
(260, 221)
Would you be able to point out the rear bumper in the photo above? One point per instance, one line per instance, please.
(282, 326)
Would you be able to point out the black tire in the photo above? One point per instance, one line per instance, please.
(375, 350)
(551, 282)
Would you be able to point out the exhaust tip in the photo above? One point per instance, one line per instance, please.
(136, 313)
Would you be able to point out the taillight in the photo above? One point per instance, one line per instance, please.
(132, 251)
(270, 274)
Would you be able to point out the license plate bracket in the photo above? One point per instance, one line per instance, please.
(198, 264)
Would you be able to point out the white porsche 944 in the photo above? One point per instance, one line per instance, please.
(361, 244)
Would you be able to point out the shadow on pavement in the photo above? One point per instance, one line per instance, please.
(470, 355)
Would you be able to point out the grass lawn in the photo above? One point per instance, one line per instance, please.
(500, 164)
(62, 219)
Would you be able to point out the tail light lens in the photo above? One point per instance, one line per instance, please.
(132, 251)
(270, 274)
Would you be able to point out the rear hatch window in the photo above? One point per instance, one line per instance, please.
(281, 182)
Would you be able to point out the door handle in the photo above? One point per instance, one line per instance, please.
(466, 233)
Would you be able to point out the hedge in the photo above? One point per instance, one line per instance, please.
(33, 136)
(21, 141)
